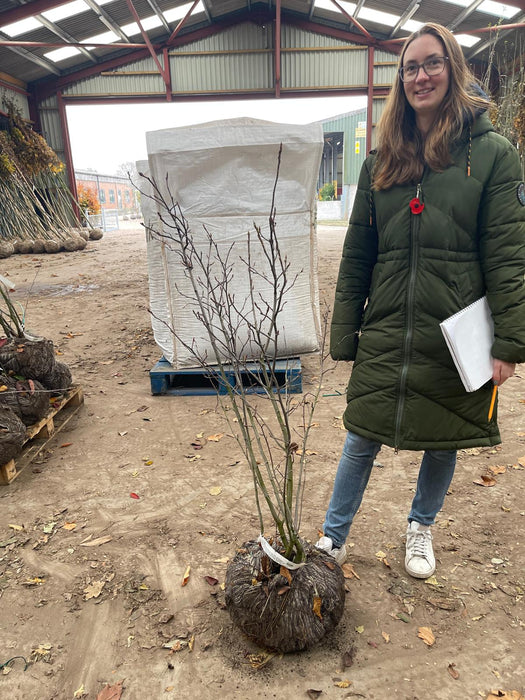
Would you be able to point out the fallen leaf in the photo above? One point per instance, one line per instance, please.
(124, 432)
(141, 409)
(36, 581)
(283, 590)
(66, 444)
(80, 693)
(359, 629)
(426, 634)
(134, 495)
(93, 590)
(385, 636)
(286, 573)
(451, 668)
(18, 528)
(169, 688)
(111, 692)
(212, 581)
(215, 490)
(317, 607)
(432, 581)
(260, 660)
(191, 642)
(48, 529)
(186, 576)
(313, 694)
(498, 469)
(69, 526)
(349, 571)
(148, 462)
(215, 438)
(485, 480)
(404, 618)
(505, 694)
(343, 684)
(348, 657)
(3, 388)
(96, 542)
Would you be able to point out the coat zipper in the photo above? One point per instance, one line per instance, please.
(414, 235)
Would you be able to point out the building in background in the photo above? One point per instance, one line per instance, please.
(343, 154)
(113, 191)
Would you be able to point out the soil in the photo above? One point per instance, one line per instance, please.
(91, 577)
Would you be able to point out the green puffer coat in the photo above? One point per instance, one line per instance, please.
(403, 273)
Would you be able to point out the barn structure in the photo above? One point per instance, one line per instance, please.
(55, 53)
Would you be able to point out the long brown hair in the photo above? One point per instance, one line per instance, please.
(402, 152)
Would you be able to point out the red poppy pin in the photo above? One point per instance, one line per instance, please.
(416, 206)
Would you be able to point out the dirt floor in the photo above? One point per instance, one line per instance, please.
(90, 576)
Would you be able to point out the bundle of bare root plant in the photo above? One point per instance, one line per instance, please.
(282, 609)
(27, 397)
(12, 434)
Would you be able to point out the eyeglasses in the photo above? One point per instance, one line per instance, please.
(432, 66)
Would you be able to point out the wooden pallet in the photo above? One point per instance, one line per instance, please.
(207, 382)
(39, 434)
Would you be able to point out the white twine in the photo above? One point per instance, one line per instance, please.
(275, 556)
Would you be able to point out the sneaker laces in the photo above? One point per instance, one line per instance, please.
(419, 545)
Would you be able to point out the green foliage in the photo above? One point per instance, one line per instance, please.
(327, 192)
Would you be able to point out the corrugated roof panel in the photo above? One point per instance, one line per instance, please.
(243, 36)
(234, 72)
(116, 84)
(324, 69)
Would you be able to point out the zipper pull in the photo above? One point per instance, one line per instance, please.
(415, 204)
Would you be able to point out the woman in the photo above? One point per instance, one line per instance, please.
(438, 222)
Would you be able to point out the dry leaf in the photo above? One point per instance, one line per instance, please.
(505, 694)
(313, 694)
(215, 490)
(260, 660)
(425, 633)
(69, 526)
(360, 629)
(286, 573)
(211, 580)
(169, 688)
(80, 693)
(186, 576)
(215, 438)
(452, 670)
(93, 590)
(16, 527)
(36, 581)
(283, 590)
(96, 542)
(485, 480)
(317, 607)
(385, 636)
(349, 571)
(343, 684)
(498, 469)
(111, 692)
(191, 642)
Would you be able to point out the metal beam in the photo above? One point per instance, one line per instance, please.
(182, 22)
(208, 11)
(464, 14)
(15, 48)
(107, 20)
(64, 36)
(353, 20)
(370, 99)
(156, 9)
(35, 7)
(162, 69)
(359, 7)
(407, 14)
(311, 10)
(508, 28)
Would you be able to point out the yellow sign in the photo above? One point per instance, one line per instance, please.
(360, 133)
(357, 146)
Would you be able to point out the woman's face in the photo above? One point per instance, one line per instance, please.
(426, 93)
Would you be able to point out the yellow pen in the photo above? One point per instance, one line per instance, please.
(493, 401)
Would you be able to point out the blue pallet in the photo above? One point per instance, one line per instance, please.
(207, 382)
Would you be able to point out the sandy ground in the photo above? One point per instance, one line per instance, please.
(87, 616)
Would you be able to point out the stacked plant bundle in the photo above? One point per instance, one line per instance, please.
(29, 376)
(37, 213)
(282, 592)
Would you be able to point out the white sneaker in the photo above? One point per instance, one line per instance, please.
(419, 559)
(326, 545)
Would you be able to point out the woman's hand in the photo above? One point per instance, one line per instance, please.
(501, 371)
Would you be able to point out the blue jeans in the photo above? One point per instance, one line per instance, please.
(353, 473)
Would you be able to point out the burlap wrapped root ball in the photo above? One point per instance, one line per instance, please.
(6, 249)
(39, 245)
(28, 398)
(33, 359)
(276, 613)
(12, 434)
(59, 379)
(24, 247)
(52, 246)
(95, 234)
(74, 242)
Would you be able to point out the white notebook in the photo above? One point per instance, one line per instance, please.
(469, 335)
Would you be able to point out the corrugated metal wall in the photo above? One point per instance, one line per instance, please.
(51, 128)
(351, 125)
